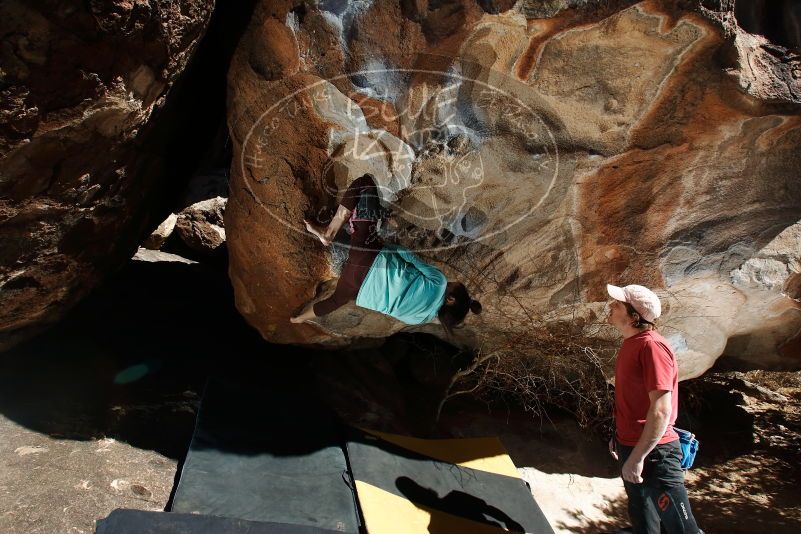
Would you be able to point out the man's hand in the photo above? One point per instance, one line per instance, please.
(612, 448)
(632, 470)
(655, 424)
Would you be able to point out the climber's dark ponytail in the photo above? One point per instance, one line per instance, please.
(475, 306)
(452, 315)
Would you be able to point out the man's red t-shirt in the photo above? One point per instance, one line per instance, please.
(645, 362)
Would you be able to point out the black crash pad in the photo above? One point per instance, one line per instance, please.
(267, 450)
(124, 521)
(407, 485)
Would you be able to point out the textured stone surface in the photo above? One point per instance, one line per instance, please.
(146, 254)
(573, 143)
(162, 232)
(82, 85)
(200, 225)
(198, 219)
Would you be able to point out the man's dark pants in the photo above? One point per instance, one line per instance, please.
(661, 497)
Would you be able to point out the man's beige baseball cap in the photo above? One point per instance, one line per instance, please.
(641, 298)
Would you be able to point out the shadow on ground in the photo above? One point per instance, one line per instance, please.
(130, 361)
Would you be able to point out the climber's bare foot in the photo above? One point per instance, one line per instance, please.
(318, 231)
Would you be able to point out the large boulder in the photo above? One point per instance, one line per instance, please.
(82, 85)
(534, 151)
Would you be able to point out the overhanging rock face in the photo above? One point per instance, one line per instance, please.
(82, 85)
(534, 154)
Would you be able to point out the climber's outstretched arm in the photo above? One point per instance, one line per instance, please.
(342, 215)
(326, 234)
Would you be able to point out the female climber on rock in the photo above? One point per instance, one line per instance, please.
(385, 277)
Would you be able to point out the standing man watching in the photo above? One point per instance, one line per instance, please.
(646, 405)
